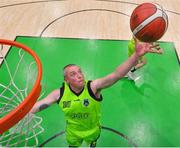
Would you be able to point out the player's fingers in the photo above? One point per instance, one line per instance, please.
(158, 48)
(151, 50)
(154, 46)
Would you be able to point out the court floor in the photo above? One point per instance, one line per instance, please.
(94, 34)
(140, 113)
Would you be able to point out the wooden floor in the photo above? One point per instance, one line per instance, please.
(94, 19)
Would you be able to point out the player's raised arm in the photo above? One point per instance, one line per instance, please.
(46, 102)
(107, 81)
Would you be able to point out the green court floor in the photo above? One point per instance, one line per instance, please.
(146, 111)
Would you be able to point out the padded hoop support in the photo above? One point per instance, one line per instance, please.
(20, 111)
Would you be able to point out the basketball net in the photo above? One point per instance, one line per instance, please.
(13, 89)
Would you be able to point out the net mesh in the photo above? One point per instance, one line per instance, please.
(18, 73)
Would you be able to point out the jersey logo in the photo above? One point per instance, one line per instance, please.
(85, 102)
(79, 115)
(66, 104)
(76, 100)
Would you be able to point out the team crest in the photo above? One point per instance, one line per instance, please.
(85, 102)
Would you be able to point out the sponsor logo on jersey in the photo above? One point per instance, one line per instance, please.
(66, 104)
(80, 115)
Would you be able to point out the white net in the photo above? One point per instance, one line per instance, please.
(17, 75)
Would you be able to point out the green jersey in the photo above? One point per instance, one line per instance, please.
(131, 47)
(82, 111)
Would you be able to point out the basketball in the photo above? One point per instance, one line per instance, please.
(148, 22)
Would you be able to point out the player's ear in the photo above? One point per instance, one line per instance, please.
(66, 79)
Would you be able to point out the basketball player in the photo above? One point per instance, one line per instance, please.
(80, 99)
(141, 60)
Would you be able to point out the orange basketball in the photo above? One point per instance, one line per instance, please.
(148, 22)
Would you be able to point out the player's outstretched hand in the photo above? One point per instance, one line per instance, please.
(143, 48)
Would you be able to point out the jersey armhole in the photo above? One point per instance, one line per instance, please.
(91, 92)
(61, 93)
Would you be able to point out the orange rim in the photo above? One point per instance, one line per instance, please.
(22, 109)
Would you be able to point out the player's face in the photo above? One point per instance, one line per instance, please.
(74, 76)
